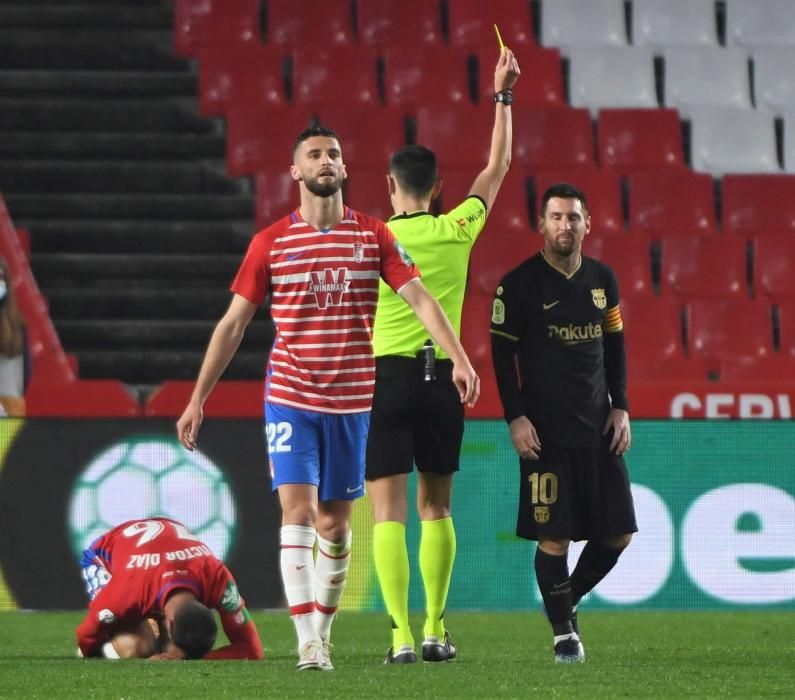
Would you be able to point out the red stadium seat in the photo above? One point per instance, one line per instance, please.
(602, 189)
(310, 23)
(503, 244)
(441, 129)
(260, 139)
(786, 321)
(368, 135)
(229, 399)
(340, 75)
(630, 259)
(702, 267)
(407, 23)
(245, 75)
(672, 203)
(366, 191)
(653, 328)
(774, 262)
(648, 368)
(470, 26)
(770, 368)
(541, 84)
(409, 81)
(276, 195)
(511, 200)
(756, 205)
(729, 328)
(559, 138)
(200, 23)
(95, 398)
(632, 140)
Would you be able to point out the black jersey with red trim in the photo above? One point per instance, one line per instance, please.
(560, 327)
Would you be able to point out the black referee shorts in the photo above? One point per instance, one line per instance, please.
(413, 421)
(576, 494)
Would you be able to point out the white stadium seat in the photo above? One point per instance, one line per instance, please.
(577, 23)
(725, 140)
(663, 23)
(774, 78)
(754, 23)
(611, 77)
(708, 76)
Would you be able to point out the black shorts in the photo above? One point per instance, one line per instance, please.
(576, 494)
(413, 421)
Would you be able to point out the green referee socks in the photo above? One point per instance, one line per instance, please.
(392, 567)
(437, 553)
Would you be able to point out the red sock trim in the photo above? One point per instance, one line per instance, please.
(323, 609)
(302, 609)
(331, 556)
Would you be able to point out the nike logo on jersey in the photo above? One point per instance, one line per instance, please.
(294, 256)
(547, 307)
(353, 490)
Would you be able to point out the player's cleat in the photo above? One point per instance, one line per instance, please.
(569, 651)
(327, 648)
(405, 655)
(313, 657)
(434, 650)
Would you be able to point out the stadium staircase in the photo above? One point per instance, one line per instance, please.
(135, 229)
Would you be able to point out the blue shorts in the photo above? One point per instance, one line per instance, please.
(323, 449)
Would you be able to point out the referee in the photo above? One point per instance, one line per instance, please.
(558, 313)
(417, 415)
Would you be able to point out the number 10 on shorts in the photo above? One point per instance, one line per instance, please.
(278, 435)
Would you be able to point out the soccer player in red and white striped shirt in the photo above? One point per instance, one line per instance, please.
(320, 266)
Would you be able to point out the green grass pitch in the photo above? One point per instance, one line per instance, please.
(501, 655)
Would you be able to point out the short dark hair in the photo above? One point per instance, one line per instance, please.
(563, 190)
(314, 130)
(194, 629)
(414, 167)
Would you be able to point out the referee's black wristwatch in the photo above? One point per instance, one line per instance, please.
(504, 96)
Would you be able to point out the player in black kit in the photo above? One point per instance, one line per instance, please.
(558, 312)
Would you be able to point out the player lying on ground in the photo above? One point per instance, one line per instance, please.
(144, 571)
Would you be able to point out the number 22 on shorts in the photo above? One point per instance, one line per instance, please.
(278, 435)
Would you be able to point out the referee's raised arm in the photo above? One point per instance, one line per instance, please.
(488, 181)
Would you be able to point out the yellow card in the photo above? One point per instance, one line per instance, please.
(499, 38)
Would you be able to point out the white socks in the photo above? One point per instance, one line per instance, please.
(298, 576)
(331, 572)
(313, 588)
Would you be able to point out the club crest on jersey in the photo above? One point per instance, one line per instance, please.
(541, 514)
(328, 286)
(358, 251)
(599, 298)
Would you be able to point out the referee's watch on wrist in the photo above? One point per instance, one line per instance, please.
(504, 96)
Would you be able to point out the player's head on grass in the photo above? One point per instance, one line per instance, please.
(414, 169)
(193, 628)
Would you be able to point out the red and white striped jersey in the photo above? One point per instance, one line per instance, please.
(323, 287)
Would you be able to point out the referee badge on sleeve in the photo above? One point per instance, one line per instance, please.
(498, 312)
